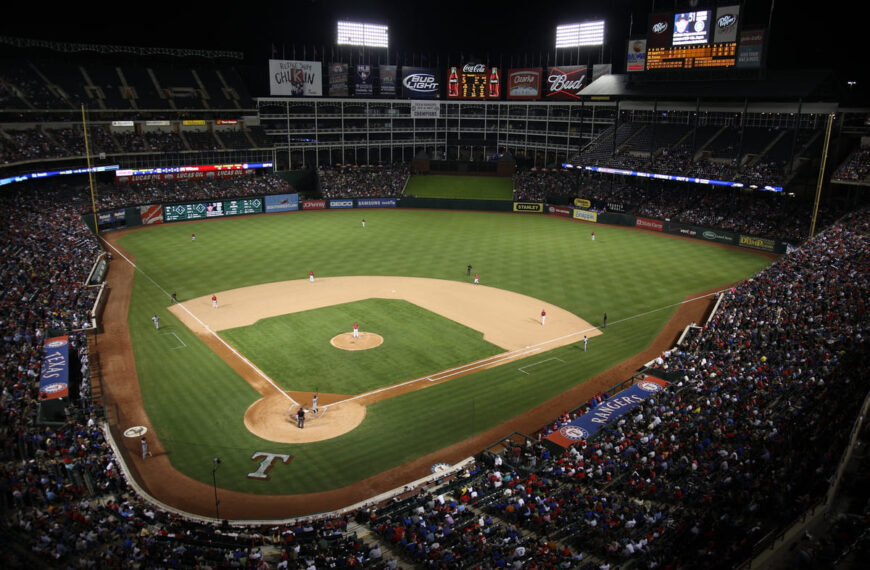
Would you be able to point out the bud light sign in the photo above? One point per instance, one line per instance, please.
(565, 83)
(419, 83)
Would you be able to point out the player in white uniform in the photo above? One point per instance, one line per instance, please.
(355, 330)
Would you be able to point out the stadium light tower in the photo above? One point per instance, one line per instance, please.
(580, 35)
(365, 35)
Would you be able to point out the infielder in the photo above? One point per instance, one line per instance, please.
(585, 342)
(356, 330)
(156, 320)
(476, 278)
(214, 301)
(314, 404)
(543, 316)
(311, 276)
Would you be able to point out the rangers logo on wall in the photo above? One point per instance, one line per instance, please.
(574, 432)
(649, 386)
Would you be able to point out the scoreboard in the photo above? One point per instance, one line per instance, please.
(473, 85)
(692, 57)
(473, 81)
(203, 210)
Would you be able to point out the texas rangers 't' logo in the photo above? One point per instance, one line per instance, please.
(574, 432)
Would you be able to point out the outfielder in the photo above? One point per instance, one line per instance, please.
(585, 342)
(356, 330)
(156, 320)
(364, 223)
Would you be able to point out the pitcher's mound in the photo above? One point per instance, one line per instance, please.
(365, 341)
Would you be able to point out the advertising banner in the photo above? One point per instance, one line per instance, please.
(677, 228)
(290, 78)
(338, 80)
(581, 203)
(54, 376)
(473, 81)
(719, 236)
(660, 29)
(559, 210)
(725, 25)
(203, 210)
(635, 58)
(524, 83)
(313, 204)
(528, 207)
(586, 216)
(151, 214)
(169, 177)
(340, 204)
(419, 83)
(387, 76)
(376, 203)
(565, 83)
(282, 203)
(750, 49)
(609, 410)
(425, 109)
(363, 81)
(756, 243)
(647, 224)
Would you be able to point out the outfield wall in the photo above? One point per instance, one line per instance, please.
(118, 218)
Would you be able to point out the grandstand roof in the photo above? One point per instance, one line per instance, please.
(776, 85)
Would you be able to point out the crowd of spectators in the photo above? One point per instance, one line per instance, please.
(164, 191)
(856, 167)
(542, 185)
(745, 438)
(352, 181)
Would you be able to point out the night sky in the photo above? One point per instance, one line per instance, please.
(484, 30)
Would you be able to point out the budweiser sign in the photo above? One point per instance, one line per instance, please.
(474, 68)
(566, 82)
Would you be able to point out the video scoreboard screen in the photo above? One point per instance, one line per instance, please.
(692, 57)
(203, 210)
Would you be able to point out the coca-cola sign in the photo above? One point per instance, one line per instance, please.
(565, 83)
(474, 68)
(524, 83)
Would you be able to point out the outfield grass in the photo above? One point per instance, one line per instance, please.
(294, 349)
(460, 187)
(196, 402)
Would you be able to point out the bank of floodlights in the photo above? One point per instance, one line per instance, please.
(366, 35)
(579, 35)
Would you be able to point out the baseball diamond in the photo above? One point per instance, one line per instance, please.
(459, 407)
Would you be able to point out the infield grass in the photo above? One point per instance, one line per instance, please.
(294, 350)
(460, 187)
(196, 402)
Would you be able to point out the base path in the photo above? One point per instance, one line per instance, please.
(506, 319)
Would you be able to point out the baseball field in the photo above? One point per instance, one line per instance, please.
(227, 382)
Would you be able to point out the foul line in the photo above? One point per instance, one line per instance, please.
(205, 326)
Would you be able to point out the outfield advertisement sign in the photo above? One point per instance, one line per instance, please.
(763, 244)
(528, 207)
(203, 210)
(718, 236)
(54, 376)
(581, 203)
(151, 214)
(647, 224)
(313, 204)
(586, 216)
(376, 203)
(559, 210)
(290, 78)
(282, 203)
(606, 412)
(333, 204)
(677, 228)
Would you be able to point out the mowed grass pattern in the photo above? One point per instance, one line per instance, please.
(196, 402)
(460, 187)
(294, 350)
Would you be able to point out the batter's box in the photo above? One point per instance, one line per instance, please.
(527, 366)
